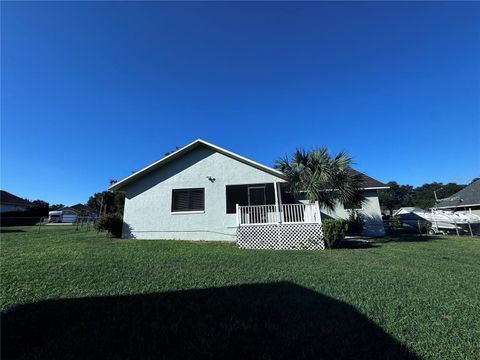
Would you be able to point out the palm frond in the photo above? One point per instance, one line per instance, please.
(324, 178)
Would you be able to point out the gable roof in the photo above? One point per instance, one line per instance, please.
(369, 183)
(81, 207)
(9, 198)
(187, 148)
(469, 195)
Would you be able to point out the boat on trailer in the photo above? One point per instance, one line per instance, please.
(440, 221)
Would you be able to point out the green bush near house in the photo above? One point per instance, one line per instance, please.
(333, 232)
(110, 222)
(355, 223)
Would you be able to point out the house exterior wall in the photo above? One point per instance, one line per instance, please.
(371, 212)
(148, 215)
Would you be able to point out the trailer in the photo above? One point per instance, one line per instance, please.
(62, 216)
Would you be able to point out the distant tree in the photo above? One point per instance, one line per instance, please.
(449, 189)
(38, 208)
(396, 196)
(424, 196)
(107, 202)
(56, 206)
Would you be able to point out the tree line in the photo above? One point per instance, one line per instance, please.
(423, 196)
(105, 202)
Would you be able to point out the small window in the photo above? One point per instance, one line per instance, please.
(353, 206)
(188, 200)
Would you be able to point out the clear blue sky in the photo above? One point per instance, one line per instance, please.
(91, 91)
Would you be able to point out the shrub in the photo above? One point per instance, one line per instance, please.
(392, 224)
(355, 223)
(333, 232)
(110, 222)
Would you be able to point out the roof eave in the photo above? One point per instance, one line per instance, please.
(457, 206)
(118, 185)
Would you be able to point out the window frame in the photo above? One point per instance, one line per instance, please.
(191, 211)
(361, 208)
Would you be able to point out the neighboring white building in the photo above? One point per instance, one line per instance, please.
(192, 194)
(10, 202)
(72, 214)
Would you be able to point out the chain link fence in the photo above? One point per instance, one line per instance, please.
(85, 223)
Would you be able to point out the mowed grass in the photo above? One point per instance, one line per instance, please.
(79, 294)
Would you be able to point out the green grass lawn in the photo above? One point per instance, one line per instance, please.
(79, 294)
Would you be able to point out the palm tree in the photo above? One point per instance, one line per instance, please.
(322, 178)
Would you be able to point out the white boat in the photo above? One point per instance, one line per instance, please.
(441, 221)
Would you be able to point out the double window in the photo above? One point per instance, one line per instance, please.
(188, 200)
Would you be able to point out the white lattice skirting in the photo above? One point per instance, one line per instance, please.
(281, 236)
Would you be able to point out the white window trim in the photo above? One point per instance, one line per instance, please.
(361, 209)
(187, 212)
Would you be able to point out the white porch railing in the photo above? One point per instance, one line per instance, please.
(270, 214)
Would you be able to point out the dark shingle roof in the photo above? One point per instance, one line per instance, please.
(81, 207)
(369, 182)
(8, 198)
(467, 196)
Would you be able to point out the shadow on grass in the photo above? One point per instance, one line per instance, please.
(7, 231)
(406, 238)
(268, 321)
(356, 244)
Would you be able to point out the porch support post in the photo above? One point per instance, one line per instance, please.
(275, 187)
(317, 206)
(238, 214)
(280, 200)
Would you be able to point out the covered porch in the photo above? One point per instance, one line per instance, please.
(263, 221)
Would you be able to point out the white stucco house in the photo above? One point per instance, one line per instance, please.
(204, 192)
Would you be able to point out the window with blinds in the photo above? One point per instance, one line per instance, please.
(188, 200)
(353, 206)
